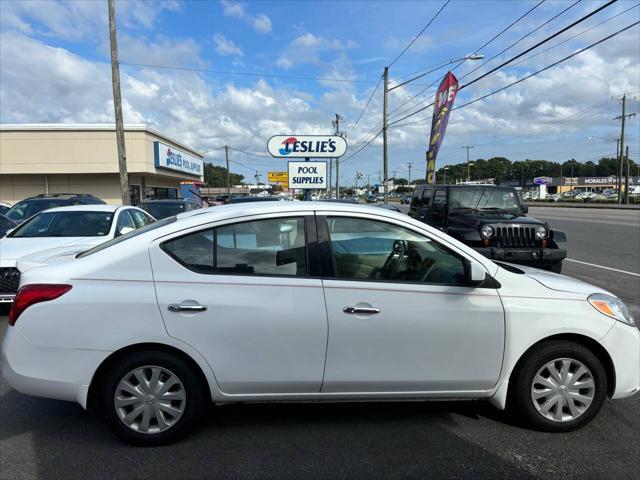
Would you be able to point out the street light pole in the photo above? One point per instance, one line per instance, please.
(468, 147)
(445, 174)
(226, 154)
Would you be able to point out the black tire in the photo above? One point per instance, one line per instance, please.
(195, 402)
(521, 403)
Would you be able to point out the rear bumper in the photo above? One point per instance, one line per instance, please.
(623, 344)
(531, 256)
(60, 373)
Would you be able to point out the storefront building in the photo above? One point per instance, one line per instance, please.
(71, 158)
(585, 184)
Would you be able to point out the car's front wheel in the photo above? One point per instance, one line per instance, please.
(560, 386)
(152, 398)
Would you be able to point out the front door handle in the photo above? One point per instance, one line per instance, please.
(365, 310)
(187, 308)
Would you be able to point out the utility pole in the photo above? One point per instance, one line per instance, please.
(257, 177)
(621, 149)
(226, 155)
(384, 132)
(117, 106)
(626, 179)
(409, 179)
(468, 147)
(368, 183)
(336, 124)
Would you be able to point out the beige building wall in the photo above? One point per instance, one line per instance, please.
(65, 159)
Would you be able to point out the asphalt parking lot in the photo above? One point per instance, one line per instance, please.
(42, 438)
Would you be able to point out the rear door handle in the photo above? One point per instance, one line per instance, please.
(366, 310)
(187, 308)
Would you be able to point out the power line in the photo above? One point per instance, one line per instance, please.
(249, 74)
(542, 42)
(361, 149)
(419, 34)
(574, 36)
(520, 39)
(479, 49)
(365, 107)
(582, 19)
(548, 66)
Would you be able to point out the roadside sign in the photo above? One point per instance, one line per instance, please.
(308, 175)
(278, 177)
(307, 146)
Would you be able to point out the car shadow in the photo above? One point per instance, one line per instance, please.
(280, 441)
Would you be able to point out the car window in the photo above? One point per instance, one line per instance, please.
(426, 197)
(440, 200)
(164, 209)
(23, 210)
(66, 224)
(263, 247)
(139, 218)
(371, 250)
(124, 220)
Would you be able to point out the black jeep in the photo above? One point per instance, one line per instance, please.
(492, 221)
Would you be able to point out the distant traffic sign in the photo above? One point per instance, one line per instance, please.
(278, 177)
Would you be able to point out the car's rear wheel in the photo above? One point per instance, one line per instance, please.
(152, 398)
(560, 386)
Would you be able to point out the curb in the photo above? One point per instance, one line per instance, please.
(583, 205)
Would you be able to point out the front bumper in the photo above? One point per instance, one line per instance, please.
(531, 256)
(60, 373)
(623, 344)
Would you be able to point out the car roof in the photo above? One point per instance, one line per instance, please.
(86, 208)
(63, 196)
(167, 200)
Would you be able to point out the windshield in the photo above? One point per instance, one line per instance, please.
(128, 236)
(23, 210)
(66, 224)
(164, 210)
(480, 198)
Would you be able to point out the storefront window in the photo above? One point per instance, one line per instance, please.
(160, 193)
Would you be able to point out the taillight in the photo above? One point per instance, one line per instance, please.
(32, 294)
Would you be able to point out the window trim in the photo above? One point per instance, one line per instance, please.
(331, 261)
(216, 226)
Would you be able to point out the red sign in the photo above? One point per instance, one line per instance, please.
(445, 96)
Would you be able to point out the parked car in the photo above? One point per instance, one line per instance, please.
(491, 220)
(169, 207)
(6, 224)
(405, 199)
(275, 302)
(4, 207)
(57, 230)
(32, 205)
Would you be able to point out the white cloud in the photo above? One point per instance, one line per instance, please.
(308, 48)
(232, 9)
(226, 47)
(261, 23)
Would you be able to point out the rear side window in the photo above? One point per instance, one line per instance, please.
(263, 247)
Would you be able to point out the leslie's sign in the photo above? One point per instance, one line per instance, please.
(307, 146)
(171, 158)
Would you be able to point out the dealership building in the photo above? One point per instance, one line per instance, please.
(70, 158)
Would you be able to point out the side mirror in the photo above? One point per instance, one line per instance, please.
(525, 209)
(477, 273)
(125, 230)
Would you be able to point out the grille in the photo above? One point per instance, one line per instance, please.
(9, 280)
(515, 236)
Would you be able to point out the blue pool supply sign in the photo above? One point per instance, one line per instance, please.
(174, 159)
(308, 175)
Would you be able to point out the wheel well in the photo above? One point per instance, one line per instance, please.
(597, 349)
(99, 376)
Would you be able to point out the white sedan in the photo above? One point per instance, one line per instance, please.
(275, 301)
(61, 229)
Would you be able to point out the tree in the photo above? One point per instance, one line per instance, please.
(215, 176)
(401, 181)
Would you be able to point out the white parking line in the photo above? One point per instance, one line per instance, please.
(601, 266)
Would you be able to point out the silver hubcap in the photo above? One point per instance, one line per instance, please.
(563, 389)
(150, 399)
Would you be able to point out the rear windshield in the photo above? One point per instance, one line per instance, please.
(23, 210)
(163, 210)
(66, 224)
(114, 241)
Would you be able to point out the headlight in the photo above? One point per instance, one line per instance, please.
(486, 231)
(541, 232)
(611, 307)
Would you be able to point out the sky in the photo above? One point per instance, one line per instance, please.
(298, 63)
